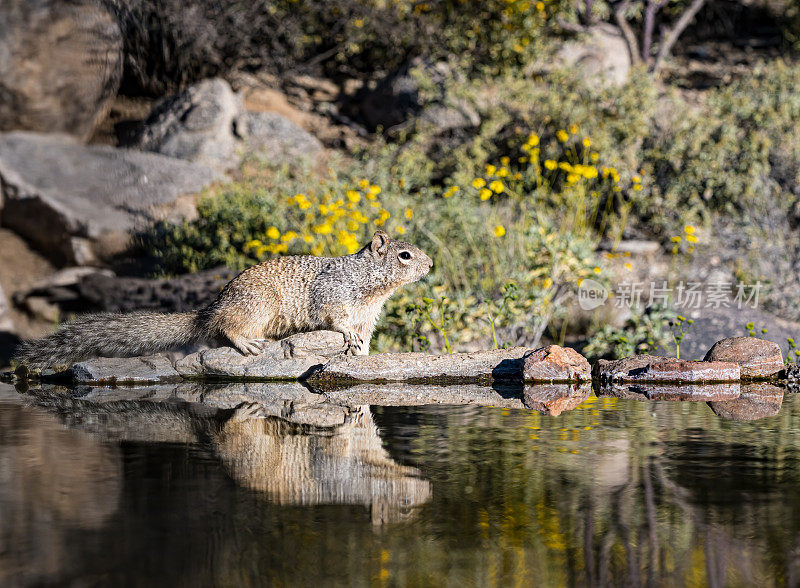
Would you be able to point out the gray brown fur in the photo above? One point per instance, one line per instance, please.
(271, 300)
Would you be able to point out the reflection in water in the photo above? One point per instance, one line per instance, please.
(304, 464)
(179, 487)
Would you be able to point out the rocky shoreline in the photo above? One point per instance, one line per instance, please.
(317, 360)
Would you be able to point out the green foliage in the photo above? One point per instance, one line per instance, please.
(644, 332)
(495, 310)
(678, 333)
(435, 313)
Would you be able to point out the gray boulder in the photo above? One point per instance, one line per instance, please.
(78, 204)
(398, 99)
(600, 54)
(757, 401)
(207, 123)
(6, 324)
(60, 65)
(125, 370)
(277, 139)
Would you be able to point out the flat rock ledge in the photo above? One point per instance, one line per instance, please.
(318, 358)
(666, 370)
(550, 364)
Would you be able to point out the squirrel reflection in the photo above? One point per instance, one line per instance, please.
(296, 463)
(299, 458)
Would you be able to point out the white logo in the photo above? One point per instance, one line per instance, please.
(591, 294)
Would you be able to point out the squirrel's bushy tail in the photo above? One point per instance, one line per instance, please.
(111, 335)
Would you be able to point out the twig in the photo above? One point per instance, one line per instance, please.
(627, 32)
(675, 33)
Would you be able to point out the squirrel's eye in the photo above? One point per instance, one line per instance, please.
(405, 255)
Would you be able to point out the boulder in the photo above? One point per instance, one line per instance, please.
(197, 124)
(600, 54)
(793, 377)
(289, 359)
(276, 139)
(207, 123)
(758, 358)
(556, 364)
(648, 368)
(480, 366)
(6, 324)
(124, 370)
(405, 394)
(757, 401)
(79, 204)
(682, 392)
(60, 65)
(88, 289)
(397, 99)
(553, 399)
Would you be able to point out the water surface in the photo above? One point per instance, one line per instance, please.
(616, 491)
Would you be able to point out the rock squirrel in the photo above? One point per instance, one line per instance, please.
(271, 300)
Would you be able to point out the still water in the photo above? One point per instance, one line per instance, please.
(102, 490)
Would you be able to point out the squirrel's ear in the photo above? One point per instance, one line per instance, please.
(380, 243)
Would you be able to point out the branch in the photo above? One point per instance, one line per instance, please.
(627, 32)
(653, 7)
(675, 33)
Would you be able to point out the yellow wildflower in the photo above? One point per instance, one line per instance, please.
(374, 190)
(502, 172)
(485, 193)
(689, 229)
(400, 230)
(589, 172)
(540, 6)
(273, 233)
(505, 160)
(587, 142)
(323, 229)
(533, 139)
(490, 169)
(594, 156)
(478, 183)
(499, 231)
(636, 179)
(288, 236)
(691, 238)
(628, 266)
(359, 23)
(562, 136)
(573, 129)
(497, 186)
(676, 239)
(409, 213)
(637, 187)
(597, 270)
(550, 164)
(450, 191)
(363, 184)
(353, 196)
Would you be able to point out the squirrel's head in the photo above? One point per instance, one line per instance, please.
(405, 262)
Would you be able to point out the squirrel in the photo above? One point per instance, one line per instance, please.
(268, 301)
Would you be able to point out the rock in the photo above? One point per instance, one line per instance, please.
(757, 401)
(60, 65)
(553, 399)
(404, 394)
(78, 204)
(197, 124)
(648, 368)
(6, 324)
(793, 377)
(397, 99)
(207, 123)
(119, 370)
(480, 366)
(86, 289)
(600, 54)
(675, 392)
(758, 358)
(290, 359)
(556, 364)
(278, 140)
